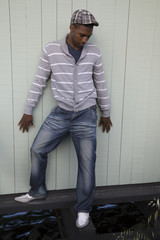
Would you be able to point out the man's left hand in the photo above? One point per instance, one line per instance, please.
(106, 124)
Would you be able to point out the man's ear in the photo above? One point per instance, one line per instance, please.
(72, 27)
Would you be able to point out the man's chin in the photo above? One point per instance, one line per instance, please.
(81, 46)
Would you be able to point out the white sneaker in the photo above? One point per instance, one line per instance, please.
(24, 198)
(82, 219)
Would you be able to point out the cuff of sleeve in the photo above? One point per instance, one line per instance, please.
(28, 110)
(106, 113)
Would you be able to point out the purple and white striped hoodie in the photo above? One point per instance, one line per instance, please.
(75, 86)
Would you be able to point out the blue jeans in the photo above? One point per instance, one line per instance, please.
(82, 128)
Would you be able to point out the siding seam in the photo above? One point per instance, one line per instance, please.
(108, 147)
(13, 123)
(123, 100)
(26, 32)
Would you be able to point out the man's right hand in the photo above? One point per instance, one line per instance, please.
(25, 122)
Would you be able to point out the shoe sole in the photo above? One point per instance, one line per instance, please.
(43, 198)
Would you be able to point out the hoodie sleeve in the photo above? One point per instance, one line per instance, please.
(101, 88)
(39, 83)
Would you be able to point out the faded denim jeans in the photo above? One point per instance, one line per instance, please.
(82, 128)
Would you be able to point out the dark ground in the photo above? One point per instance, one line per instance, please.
(110, 218)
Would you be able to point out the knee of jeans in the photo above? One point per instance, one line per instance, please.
(88, 188)
(35, 150)
(38, 151)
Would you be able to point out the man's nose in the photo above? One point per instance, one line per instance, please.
(85, 39)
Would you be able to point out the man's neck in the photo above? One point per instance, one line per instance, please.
(68, 40)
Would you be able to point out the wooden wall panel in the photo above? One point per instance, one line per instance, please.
(105, 17)
(49, 34)
(19, 76)
(117, 89)
(7, 170)
(151, 163)
(138, 146)
(73, 165)
(63, 150)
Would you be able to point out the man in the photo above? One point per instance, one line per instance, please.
(77, 80)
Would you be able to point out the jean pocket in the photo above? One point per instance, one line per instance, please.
(93, 112)
(93, 107)
(53, 109)
(57, 110)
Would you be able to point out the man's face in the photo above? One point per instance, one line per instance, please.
(79, 35)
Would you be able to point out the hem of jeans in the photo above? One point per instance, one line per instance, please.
(37, 196)
(79, 210)
(83, 211)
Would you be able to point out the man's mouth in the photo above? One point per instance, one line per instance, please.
(81, 44)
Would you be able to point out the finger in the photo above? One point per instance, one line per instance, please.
(100, 123)
(20, 128)
(20, 122)
(108, 128)
(32, 124)
(23, 128)
(26, 128)
(104, 127)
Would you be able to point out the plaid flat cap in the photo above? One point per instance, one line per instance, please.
(83, 17)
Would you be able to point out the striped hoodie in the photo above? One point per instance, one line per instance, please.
(75, 86)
